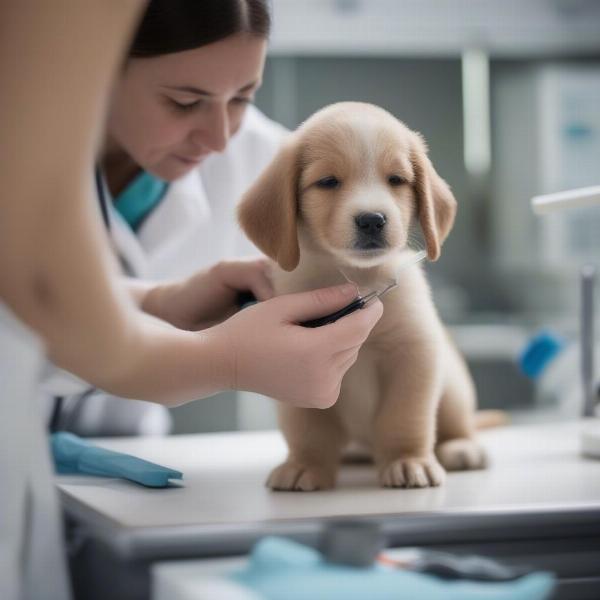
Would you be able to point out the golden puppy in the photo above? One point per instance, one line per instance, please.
(340, 198)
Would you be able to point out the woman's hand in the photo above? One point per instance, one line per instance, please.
(266, 351)
(209, 296)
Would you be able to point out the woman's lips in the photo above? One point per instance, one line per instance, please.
(191, 160)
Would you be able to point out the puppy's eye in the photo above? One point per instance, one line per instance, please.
(329, 183)
(396, 180)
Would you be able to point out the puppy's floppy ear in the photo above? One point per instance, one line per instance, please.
(268, 210)
(436, 205)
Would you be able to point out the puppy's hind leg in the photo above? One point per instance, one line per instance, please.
(315, 439)
(457, 448)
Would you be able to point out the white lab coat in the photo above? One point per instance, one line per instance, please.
(193, 226)
(32, 563)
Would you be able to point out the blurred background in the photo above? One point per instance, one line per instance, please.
(507, 95)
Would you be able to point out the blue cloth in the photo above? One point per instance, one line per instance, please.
(140, 198)
(73, 455)
(281, 569)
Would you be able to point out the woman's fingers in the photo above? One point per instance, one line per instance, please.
(252, 275)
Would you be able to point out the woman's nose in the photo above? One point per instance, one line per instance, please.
(213, 133)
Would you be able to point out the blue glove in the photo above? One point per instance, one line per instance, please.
(74, 455)
(539, 352)
(281, 569)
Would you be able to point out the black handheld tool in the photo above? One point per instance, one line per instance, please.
(356, 304)
(245, 299)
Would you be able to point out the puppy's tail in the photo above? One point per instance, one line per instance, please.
(485, 419)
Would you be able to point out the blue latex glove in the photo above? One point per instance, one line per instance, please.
(281, 569)
(74, 455)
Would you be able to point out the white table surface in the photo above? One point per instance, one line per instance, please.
(534, 469)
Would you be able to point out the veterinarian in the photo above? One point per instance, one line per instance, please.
(61, 293)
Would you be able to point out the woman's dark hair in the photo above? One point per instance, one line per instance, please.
(176, 25)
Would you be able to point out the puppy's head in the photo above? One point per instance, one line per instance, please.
(352, 178)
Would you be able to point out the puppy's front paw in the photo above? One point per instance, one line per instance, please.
(461, 454)
(292, 476)
(412, 473)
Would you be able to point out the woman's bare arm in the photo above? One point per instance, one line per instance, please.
(57, 272)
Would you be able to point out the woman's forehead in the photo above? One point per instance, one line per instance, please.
(232, 64)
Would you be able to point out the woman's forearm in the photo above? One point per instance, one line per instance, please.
(175, 366)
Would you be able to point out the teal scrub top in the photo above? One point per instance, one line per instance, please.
(140, 198)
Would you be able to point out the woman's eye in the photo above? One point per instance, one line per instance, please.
(328, 183)
(396, 180)
(242, 100)
(184, 107)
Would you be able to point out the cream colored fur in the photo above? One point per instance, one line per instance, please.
(408, 401)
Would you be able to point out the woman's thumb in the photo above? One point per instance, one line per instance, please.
(318, 303)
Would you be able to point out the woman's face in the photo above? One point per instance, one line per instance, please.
(171, 111)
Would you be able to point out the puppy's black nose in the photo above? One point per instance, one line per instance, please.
(371, 223)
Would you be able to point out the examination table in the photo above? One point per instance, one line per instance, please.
(538, 504)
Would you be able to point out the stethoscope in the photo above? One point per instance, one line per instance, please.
(59, 401)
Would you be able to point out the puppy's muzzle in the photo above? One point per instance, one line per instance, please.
(370, 231)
